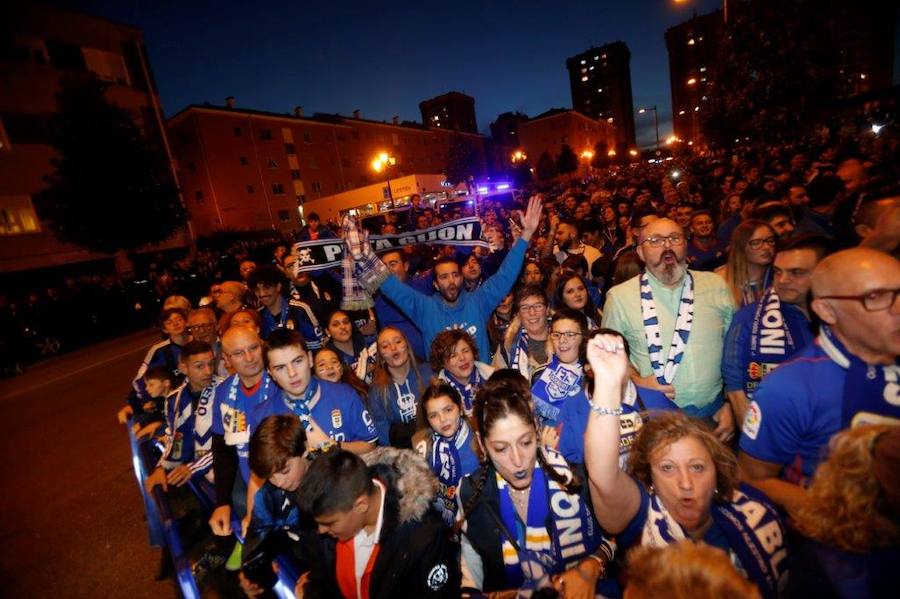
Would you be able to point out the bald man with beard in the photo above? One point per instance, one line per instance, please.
(849, 376)
(675, 321)
(235, 398)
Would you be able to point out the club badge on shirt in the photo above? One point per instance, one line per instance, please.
(336, 419)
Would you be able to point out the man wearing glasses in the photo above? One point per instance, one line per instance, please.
(201, 324)
(849, 376)
(774, 328)
(674, 320)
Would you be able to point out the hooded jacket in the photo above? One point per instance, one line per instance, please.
(417, 558)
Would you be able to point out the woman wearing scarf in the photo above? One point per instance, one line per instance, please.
(446, 440)
(349, 344)
(454, 356)
(681, 481)
(525, 515)
(525, 346)
(397, 384)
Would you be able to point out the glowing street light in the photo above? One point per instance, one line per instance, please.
(655, 121)
(876, 128)
(633, 152)
(381, 163)
(518, 156)
(691, 81)
(587, 154)
(611, 153)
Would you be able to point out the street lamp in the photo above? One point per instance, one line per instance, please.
(655, 122)
(381, 163)
(518, 156)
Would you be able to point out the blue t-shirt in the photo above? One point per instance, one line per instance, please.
(335, 407)
(575, 412)
(398, 403)
(291, 317)
(739, 370)
(795, 411)
(471, 310)
(232, 406)
(706, 259)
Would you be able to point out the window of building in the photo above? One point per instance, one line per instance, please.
(277, 189)
(317, 187)
(244, 161)
(271, 163)
(295, 174)
(191, 167)
(19, 217)
(284, 216)
(65, 55)
(198, 195)
(290, 149)
(265, 134)
(307, 138)
(313, 163)
(106, 65)
(236, 131)
(250, 189)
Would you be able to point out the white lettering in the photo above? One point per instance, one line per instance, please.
(465, 231)
(769, 537)
(445, 234)
(382, 244)
(753, 511)
(332, 252)
(562, 506)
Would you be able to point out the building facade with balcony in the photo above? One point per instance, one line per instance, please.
(549, 131)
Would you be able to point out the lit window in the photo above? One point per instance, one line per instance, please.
(596, 58)
(603, 56)
(584, 70)
(18, 218)
(584, 78)
(599, 90)
(861, 75)
(277, 189)
(270, 163)
(691, 42)
(696, 109)
(592, 68)
(702, 69)
(583, 62)
(609, 120)
(680, 112)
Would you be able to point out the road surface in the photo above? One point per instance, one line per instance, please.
(71, 518)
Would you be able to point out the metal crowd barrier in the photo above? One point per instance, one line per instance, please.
(163, 530)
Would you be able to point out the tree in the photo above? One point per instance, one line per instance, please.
(774, 66)
(111, 190)
(463, 161)
(601, 155)
(567, 161)
(546, 167)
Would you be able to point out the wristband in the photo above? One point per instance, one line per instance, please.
(600, 410)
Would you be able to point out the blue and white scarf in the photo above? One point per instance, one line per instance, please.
(518, 359)
(755, 533)
(302, 406)
(771, 340)
(447, 466)
(871, 391)
(466, 390)
(572, 532)
(665, 370)
(556, 383)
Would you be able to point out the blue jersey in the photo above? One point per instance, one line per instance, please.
(574, 414)
(295, 315)
(335, 407)
(471, 310)
(741, 369)
(231, 409)
(397, 404)
(794, 413)
(706, 259)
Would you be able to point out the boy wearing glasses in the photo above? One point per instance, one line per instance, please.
(849, 376)
(674, 320)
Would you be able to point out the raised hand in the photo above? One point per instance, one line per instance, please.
(532, 218)
(607, 357)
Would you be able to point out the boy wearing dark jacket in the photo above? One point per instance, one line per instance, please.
(382, 536)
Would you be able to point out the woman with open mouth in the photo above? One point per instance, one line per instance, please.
(454, 356)
(526, 517)
(526, 345)
(398, 382)
(681, 482)
(350, 346)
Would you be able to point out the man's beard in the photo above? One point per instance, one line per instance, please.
(669, 273)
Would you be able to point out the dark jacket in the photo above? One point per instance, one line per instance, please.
(417, 556)
(483, 528)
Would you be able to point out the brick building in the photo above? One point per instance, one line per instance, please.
(453, 110)
(39, 45)
(249, 169)
(548, 132)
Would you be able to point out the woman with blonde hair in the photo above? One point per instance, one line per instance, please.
(398, 381)
(681, 481)
(851, 518)
(684, 570)
(748, 270)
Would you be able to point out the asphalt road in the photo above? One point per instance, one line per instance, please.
(71, 518)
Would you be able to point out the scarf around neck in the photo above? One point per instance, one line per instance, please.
(665, 368)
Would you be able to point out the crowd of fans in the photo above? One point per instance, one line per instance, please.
(671, 378)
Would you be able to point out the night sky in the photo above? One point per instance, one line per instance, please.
(385, 57)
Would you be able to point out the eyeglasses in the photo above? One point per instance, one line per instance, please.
(569, 335)
(757, 243)
(657, 242)
(240, 354)
(201, 327)
(873, 301)
(532, 308)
